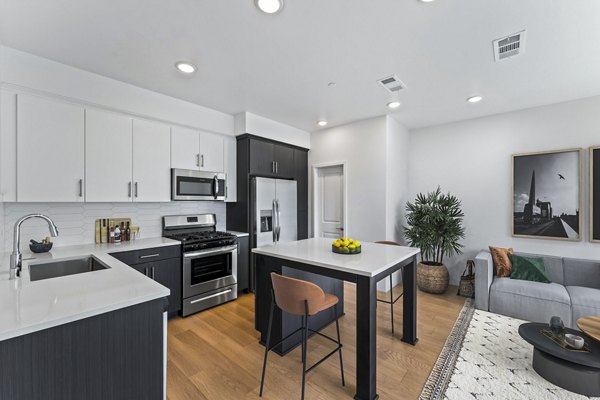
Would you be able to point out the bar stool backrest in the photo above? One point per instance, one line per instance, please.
(291, 294)
(388, 242)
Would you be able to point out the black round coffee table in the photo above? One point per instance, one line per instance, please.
(578, 372)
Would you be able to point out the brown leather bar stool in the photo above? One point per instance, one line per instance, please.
(391, 301)
(298, 297)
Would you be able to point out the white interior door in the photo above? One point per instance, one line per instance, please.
(330, 202)
(107, 156)
(50, 150)
(151, 161)
(211, 152)
(287, 200)
(185, 148)
(265, 218)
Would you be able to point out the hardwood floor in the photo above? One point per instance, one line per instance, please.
(215, 354)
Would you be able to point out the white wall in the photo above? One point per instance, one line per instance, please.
(397, 150)
(362, 146)
(472, 159)
(256, 125)
(76, 221)
(25, 70)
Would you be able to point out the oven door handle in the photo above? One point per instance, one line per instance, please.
(203, 253)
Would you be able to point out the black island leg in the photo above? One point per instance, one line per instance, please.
(366, 339)
(409, 323)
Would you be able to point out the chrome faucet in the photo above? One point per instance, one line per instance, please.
(16, 258)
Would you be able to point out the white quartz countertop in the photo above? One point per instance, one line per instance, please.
(373, 259)
(27, 306)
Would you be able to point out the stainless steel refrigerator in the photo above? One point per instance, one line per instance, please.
(274, 214)
(275, 211)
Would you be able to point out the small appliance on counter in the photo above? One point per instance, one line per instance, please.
(209, 260)
(115, 230)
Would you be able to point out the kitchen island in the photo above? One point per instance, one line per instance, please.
(92, 335)
(365, 269)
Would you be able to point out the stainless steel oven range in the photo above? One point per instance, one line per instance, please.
(209, 260)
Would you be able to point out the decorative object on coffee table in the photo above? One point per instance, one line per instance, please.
(557, 326)
(577, 371)
(590, 326)
(547, 198)
(434, 225)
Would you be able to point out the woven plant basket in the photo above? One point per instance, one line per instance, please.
(432, 278)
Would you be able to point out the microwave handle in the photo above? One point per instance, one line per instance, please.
(215, 186)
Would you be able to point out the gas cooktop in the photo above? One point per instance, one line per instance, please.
(196, 232)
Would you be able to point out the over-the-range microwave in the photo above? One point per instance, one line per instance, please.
(193, 185)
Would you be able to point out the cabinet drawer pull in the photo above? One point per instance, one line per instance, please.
(81, 188)
(129, 189)
(152, 269)
(136, 189)
(150, 255)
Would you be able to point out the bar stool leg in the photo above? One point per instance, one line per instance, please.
(337, 328)
(392, 301)
(304, 346)
(262, 379)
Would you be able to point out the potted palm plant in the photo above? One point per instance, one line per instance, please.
(434, 224)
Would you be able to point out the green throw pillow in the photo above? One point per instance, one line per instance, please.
(528, 269)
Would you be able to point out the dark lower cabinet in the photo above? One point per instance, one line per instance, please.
(116, 355)
(243, 267)
(162, 264)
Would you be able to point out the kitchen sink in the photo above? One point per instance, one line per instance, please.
(58, 268)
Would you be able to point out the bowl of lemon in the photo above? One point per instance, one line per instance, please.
(346, 246)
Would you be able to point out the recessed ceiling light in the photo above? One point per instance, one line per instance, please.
(393, 104)
(474, 99)
(321, 123)
(269, 6)
(427, 1)
(185, 67)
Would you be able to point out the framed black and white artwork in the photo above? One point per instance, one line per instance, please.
(547, 198)
(595, 194)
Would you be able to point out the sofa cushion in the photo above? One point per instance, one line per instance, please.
(528, 269)
(531, 301)
(553, 265)
(502, 263)
(584, 273)
(585, 302)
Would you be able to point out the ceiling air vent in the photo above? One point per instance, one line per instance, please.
(509, 46)
(392, 84)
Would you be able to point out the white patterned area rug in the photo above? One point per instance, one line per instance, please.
(485, 358)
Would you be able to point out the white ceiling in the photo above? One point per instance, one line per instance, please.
(278, 66)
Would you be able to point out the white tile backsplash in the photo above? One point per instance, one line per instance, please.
(75, 221)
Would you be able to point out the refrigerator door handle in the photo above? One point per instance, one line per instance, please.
(274, 221)
(278, 220)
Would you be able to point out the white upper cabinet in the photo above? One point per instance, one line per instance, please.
(50, 150)
(151, 161)
(230, 156)
(211, 152)
(185, 148)
(108, 151)
(196, 150)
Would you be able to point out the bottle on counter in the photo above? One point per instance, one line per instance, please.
(111, 235)
(123, 236)
(128, 232)
(117, 234)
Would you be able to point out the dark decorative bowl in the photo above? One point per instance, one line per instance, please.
(40, 247)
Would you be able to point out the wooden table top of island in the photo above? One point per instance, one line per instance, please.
(590, 326)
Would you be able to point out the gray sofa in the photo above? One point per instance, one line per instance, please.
(574, 290)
